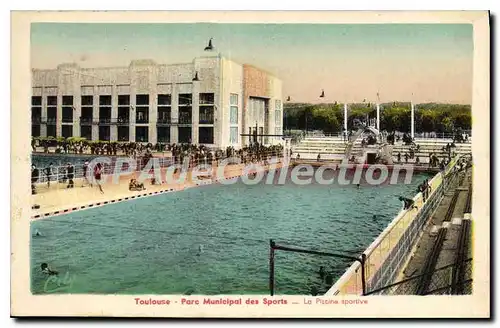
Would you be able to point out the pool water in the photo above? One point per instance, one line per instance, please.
(43, 160)
(212, 239)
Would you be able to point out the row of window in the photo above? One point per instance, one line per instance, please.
(124, 100)
(206, 116)
(205, 134)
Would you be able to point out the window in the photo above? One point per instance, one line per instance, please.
(233, 115)
(141, 134)
(185, 99)
(206, 108)
(142, 100)
(184, 135)
(87, 109)
(123, 133)
(185, 110)
(67, 109)
(163, 134)
(233, 135)
(67, 131)
(67, 100)
(233, 110)
(164, 109)
(104, 133)
(206, 115)
(233, 100)
(35, 130)
(142, 109)
(278, 119)
(51, 112)
(36, 109)
(206, 135)
(123, 100)
(207, 99)
(104, 110)
(51, 130)
(36, 101)
(86, 132)
(124, 111)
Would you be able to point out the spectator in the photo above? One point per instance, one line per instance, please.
(35, 175)
(70, 171)
(408, 204)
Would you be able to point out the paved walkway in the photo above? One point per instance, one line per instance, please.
(59, 200)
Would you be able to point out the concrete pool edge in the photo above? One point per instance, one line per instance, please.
(118, 199)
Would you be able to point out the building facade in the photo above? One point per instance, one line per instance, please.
(210, 101)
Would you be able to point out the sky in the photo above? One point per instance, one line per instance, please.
(351, 62)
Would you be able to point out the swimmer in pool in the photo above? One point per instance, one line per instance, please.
(322, 272)
(37, 233)
(46, 270)
(200, 250)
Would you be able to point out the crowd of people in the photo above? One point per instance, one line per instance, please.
(195, 155)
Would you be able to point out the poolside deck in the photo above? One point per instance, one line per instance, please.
(416, 168)
(58, 200)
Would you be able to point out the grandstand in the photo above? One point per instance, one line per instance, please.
(333, 148)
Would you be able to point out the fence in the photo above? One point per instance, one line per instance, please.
(421, 135)
(387, 254)
(58, 174)
(441, 283)
(273, 247)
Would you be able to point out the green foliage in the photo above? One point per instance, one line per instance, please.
(395, 116)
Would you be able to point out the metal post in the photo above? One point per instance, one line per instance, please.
(271, 267)
(363, 277)
(345, 118)
(378, 117)
(412, 120)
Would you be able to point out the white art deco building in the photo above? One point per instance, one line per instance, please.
(210, 101)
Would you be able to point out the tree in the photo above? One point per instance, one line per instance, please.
(325, 119)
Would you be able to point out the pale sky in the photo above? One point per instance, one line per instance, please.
(350, 62)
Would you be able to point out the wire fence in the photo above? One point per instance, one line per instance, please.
(441, 282)
(388, 253)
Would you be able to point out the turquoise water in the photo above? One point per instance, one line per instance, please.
(152, 245)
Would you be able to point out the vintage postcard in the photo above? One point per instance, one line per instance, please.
(244, 164)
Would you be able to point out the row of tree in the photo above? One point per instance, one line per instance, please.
(396, 116)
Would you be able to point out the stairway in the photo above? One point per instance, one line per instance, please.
(351, 142)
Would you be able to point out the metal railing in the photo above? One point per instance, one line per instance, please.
(164, 121)
(440, 284)
(386, 255)
(58, 174)
(49, 120)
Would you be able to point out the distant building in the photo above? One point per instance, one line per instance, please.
(210, 101)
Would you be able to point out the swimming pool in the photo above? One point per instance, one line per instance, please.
(152, 245)
(43, 160)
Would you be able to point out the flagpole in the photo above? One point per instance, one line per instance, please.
(378, 116)
(412, 120)
(345, 117)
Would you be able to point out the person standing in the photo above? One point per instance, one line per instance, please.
(48, 173)
(98, 175)
(70, 171)
(86, 172)
(35, 174)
